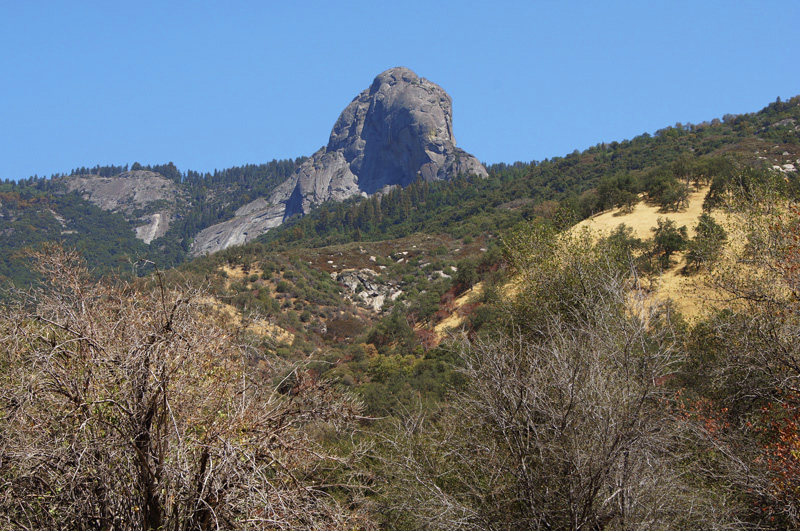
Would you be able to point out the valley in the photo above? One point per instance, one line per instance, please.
(389, 334)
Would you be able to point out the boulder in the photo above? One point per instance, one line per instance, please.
(363, 285)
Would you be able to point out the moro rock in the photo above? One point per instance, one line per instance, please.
(398, 130)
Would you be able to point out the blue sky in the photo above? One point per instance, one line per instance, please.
(208, 85)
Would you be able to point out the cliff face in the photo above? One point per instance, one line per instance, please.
(146, 198)
(251, 220)
(396, 131)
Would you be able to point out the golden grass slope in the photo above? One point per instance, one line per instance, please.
(687, 292)
(644, 217)
(456, 319)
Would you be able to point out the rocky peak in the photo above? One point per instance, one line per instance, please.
(394, 132)
(396, 101)
(397, 130)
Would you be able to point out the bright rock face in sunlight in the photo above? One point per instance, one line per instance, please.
(396, 131)
(144, 197)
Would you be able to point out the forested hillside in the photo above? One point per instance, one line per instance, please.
(584, 182)
(448, 355)
(37, 210)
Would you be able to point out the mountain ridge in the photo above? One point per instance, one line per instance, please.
(38, 209)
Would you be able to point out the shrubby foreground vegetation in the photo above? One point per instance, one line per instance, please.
(133, 407)
(591, 405)
(597, 406)
(572, 397)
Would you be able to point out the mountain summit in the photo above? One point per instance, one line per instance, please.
(396, 131)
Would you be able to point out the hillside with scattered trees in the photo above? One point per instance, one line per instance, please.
(448, 355)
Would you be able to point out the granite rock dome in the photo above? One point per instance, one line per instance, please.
(394, 132)
(397, 130)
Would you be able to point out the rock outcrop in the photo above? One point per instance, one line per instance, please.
(146, 198)
(364, 287)
(398, 130)
(251, 220)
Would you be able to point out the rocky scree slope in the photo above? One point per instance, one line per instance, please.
(396, 131)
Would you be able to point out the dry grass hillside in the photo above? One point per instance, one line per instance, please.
(686, 291)
(644, 216)
(233, 318)
(457, 317)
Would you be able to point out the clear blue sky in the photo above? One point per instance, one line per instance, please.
(212, 85)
